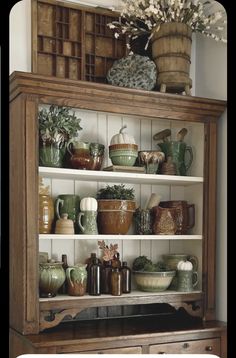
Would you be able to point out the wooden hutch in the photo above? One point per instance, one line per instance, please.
(36, 324)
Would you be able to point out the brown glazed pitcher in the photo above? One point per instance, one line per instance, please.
(185, 214)
(164, 221)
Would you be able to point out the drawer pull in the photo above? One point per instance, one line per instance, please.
(209, 349)
(185, 345)
(161, 353)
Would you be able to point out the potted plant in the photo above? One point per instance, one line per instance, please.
(116, 206)
(56, 127)
(168, 26)
(151, 277)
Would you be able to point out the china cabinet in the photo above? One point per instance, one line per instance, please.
(38, 323)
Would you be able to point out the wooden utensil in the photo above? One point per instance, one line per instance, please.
(181, 134)
(163, 135)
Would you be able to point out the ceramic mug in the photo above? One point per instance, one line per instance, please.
(187, 280)
(87, 221)
(68, 204)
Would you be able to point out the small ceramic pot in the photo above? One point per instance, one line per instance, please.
(51, 278)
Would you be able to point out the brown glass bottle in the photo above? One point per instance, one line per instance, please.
(106, 277)
(94, 278)
(116, 261)
(89, 261)
(126, 278)
(63, 289)
(116, 282)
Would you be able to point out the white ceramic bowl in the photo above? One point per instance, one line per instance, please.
(153, 281)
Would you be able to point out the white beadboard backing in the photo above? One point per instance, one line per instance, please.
(100, 127)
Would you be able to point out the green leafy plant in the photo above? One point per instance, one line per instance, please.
(57, 125)
(142, 263)
(118, 192)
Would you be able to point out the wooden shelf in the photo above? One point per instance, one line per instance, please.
(135, 297)
(119, 237)
(104, 176)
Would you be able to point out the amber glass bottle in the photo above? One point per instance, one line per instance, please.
(63, 289)
(94, 277)
(106, 277)
(116, 261)
(89, 261)
(126, 278)
(116, 282)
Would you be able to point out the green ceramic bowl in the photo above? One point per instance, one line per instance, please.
(123, 157)
(153, 281)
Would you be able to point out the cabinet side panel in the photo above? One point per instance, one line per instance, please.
(17, 218)
(210, 219)
(24, 309)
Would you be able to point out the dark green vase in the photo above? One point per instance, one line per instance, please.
(52, 155)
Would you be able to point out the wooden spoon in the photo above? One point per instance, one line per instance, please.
(162, 135)
(181, 134)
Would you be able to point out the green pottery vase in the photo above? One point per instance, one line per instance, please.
(51, 278)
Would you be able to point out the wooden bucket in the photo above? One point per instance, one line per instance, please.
(171, 51)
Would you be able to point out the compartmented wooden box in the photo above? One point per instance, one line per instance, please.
(71, 41)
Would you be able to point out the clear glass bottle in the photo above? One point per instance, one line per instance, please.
(126, 278)
(94, 278)
(106, 277)
(63, 289)
(116, 282)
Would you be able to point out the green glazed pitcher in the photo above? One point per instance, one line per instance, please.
(177, 151)
(76, 280)
(68, 204)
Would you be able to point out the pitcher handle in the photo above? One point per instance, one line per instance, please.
(191, 216)
(68, 271)
(68, 146)
(57, 204)
(193, 259)
(79, 222)
(195, 278)
(190, 160)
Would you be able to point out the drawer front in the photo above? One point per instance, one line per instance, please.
(207, 346)
(126, 350)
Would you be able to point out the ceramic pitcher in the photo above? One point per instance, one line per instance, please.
(177, 151)
(87, 221)
(76, 280)
(68, 204)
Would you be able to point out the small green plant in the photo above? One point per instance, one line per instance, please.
(57, 125)
(118, 192)
(142, 263)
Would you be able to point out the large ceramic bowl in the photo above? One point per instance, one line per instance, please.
(153, 281)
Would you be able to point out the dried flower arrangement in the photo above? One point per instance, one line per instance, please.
(108, 252)
(144, 17)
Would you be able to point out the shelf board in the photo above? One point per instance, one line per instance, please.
(135, 297)
(119, 237)
(104, 176)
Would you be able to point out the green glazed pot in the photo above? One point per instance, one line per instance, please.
(51, 278)
(51, 155)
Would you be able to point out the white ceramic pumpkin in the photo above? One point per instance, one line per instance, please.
(122, 138)
(88, 204)
(185, 265)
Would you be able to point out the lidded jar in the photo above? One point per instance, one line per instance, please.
(64, 225)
